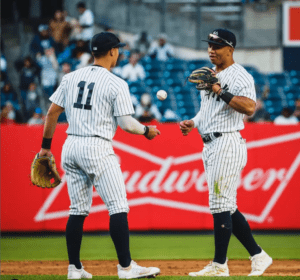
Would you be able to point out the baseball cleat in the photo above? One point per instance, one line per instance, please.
(136, 271)
(260, 262)
(74, 273)
(212, 269)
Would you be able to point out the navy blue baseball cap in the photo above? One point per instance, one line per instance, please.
(222, 37)
(105, 41)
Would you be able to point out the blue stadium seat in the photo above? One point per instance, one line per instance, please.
(153, 82)
(174, 67)
(153, 66)
(153, 75)
(174, 82)
(137, 89)
(134, 84)
(294, 74)
(251, 69)
(296, 82)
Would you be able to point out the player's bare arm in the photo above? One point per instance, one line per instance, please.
(49, 128)
(241, 104)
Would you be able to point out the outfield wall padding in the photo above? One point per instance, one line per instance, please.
(164, 178)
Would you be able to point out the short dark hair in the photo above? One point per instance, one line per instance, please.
(81, 5)
(100, 54)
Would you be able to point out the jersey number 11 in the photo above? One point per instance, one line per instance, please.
(87, 105)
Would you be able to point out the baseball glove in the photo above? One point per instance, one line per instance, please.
(204, 77)
(44, 173)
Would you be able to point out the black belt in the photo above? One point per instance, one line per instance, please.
(211, 136)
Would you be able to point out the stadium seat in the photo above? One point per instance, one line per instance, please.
(173, 82)
(153, 75)
(153, 82)
(296, 82)
(137, 89)
(294, 74)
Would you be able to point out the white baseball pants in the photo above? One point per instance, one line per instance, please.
(224, 158)
(90, 161)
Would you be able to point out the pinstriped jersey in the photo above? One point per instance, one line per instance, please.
(217, 116)
(93, 97)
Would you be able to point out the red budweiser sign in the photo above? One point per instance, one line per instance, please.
(165, 181)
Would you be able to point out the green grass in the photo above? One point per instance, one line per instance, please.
(58, 277)
(144, 247)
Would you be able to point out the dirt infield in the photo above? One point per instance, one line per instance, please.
(168, 267)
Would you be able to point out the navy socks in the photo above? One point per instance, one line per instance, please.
(74, 233)
(242, 231)
(222, 233)
(119, 233)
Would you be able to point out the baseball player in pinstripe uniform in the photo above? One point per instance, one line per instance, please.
(219, 121)
(96, 102)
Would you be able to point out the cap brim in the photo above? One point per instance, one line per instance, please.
(120, 45)
(216, 43)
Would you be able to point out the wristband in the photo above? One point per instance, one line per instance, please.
(146, 130)
(46, 144)
(226, 96)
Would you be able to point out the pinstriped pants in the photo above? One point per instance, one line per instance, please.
(224, 158)
(89, 161)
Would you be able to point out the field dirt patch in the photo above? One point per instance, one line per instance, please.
(167, 267)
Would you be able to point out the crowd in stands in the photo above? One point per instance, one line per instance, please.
(62, 46)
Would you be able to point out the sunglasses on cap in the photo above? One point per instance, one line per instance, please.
(219, 41)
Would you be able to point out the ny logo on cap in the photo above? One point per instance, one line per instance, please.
(215, 33)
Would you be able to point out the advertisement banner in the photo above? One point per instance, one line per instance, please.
(165, 181)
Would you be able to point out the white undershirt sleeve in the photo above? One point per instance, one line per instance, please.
(196, 119)
(130, 124)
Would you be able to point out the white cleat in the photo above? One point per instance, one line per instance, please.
(260, 262)
(74, 273)
(213, 269)
(136, 271)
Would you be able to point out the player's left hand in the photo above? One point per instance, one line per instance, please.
(186, 126)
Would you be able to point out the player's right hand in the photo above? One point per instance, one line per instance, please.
(153, 132)
(186, 127)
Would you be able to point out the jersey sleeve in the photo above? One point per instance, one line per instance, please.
(58, 97)
(123, 104)
(246, 87)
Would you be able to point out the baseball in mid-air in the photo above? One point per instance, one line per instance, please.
(161, 94)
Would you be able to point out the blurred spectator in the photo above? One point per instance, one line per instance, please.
(297, 109)
(8, 113)
(81, 55)
(170, 116)
(260, 114)
(142, 43)
(162, 50)
(9, 95)
(60, 30)
(32, 99)
(66, 55)
(133, 71)
(42, 41)
(3, 63)
(49, 67)
(37, 117)
(86, 22)
(117, 70)
(125, 51)
(65, 69)
(146, 111)
(286, 117)
(29, 73)
(3, 66)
